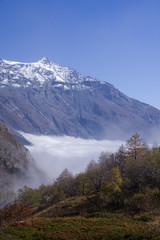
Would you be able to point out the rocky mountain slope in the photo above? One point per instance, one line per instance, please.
(16, 164)
(46, 98)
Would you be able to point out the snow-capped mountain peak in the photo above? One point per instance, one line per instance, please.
(44, 61)
(46, 98)
(38, 73)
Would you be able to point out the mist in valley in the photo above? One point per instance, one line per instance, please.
(53, 154)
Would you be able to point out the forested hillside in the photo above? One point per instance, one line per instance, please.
(128, 180)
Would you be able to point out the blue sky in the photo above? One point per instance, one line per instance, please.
(117, 41)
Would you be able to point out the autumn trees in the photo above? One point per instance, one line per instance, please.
(29, 196)
(136, 147)
(116, 178)
(128, 179)
(14, 213)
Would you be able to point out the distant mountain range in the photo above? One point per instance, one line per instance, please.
(50, 99)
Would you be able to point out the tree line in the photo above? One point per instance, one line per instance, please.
(127, 180)
(117, 178)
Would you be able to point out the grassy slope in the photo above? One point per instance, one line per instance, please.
(110, 226)
(71, 207)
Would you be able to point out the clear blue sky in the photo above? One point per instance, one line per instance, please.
(117, 41)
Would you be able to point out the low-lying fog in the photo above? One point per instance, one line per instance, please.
(54, 154)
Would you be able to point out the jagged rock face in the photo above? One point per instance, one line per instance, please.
(16, 163)
(14, 157)
(46, 98)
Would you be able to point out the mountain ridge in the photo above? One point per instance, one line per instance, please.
(47, 98)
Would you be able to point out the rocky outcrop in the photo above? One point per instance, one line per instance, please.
(16, 164)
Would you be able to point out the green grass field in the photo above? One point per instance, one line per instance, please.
(108, 226)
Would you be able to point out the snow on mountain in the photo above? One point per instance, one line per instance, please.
(47, 98)
(18, 74)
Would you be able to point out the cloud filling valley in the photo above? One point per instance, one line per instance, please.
(53, 154)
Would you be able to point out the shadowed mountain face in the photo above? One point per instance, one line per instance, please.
(16, 165)
(46, 98)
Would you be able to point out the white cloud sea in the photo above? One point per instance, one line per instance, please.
(54, 154)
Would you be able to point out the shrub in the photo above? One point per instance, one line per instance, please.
(136, 203)
(144, 201)
(145, 218)
(31, 197)
(13, 213)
